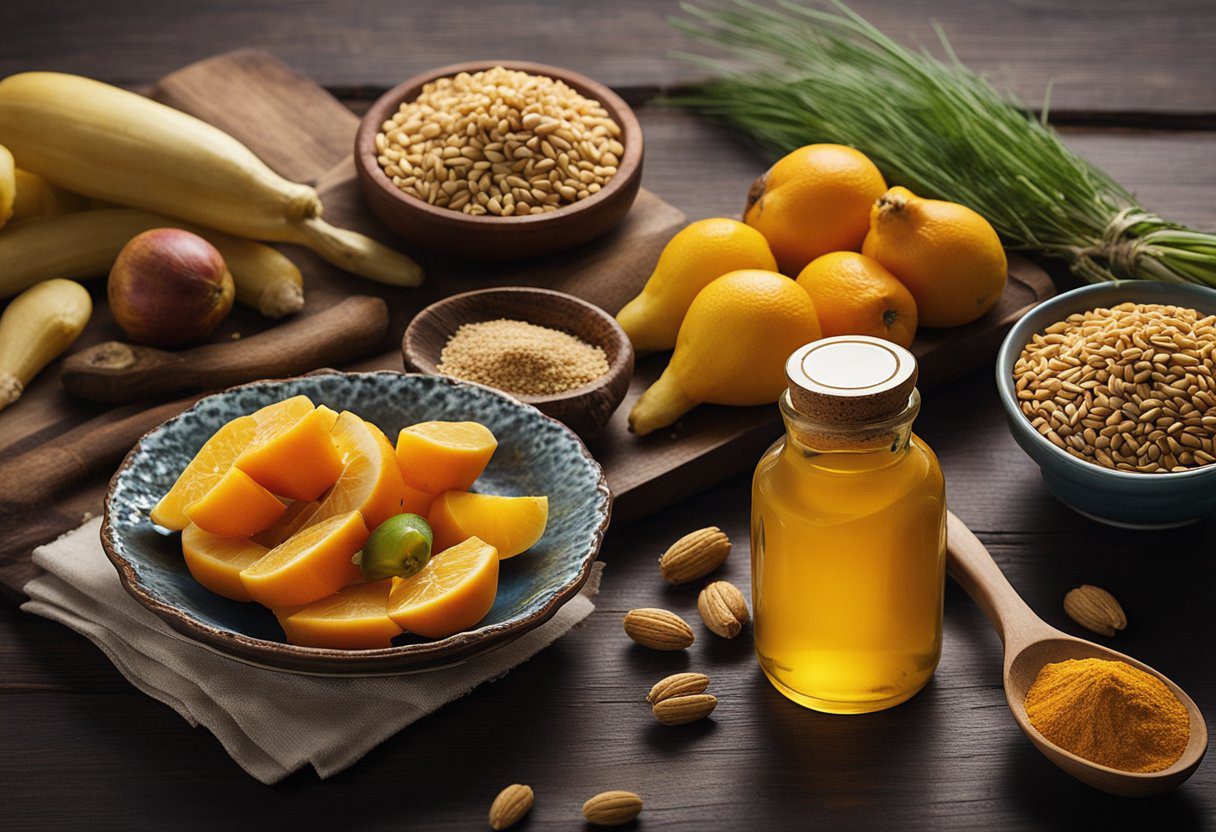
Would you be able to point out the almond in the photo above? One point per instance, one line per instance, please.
(678, 684)
(614, 808)
(510, 806)
(1095, 609)
(658, 629)
(679, 710)
(694, 555)
(723, 608)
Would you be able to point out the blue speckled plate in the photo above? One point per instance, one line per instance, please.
(536, 455)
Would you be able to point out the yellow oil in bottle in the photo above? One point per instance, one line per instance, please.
(848, 549)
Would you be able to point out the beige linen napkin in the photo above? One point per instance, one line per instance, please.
(270, 723)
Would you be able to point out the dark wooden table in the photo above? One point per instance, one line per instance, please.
(1134, 89)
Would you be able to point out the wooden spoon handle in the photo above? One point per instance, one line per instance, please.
(971, 565)
(117, 373)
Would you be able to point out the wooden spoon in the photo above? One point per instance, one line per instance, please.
(1031, 643)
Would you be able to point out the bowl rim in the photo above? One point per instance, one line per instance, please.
(430, 655)
(1139, 291)
(621, 364)
(386, 105)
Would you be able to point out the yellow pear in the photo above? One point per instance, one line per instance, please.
(702, 251)
(731, 348)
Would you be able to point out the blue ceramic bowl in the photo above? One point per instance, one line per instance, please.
(1118, 498)
(536, 455)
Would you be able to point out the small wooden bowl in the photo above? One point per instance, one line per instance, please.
(586, 409)
(491, 237)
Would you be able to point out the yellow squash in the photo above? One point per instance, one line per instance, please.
(731, 348)
(117, 146)
(702, 251)
(35, 329)
(37, 199)
(85, 244)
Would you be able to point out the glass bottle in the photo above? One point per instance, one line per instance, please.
(849, 533)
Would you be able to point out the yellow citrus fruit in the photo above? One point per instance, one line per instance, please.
(217, 455)
(236, 506)
(813, 201)
(948, 256)
(732, 347)
(309, 565)
(217, 562)
(441, 456)
(702, 251)
(510, 524)
(453, 591)
(353, 618)
(855, 295)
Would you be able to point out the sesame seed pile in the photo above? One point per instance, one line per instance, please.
(521, 358)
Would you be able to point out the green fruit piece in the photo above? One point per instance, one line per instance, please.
(398, 548)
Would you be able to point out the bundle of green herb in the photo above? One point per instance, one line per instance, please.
(798, 75)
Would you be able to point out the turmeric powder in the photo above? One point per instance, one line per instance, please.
(1109, 713)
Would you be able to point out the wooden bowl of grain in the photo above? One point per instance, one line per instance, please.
(491, 237)
(586, 408)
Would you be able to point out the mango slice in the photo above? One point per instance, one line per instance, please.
(509, 524)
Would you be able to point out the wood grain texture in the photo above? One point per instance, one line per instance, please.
(1117, 56)
(120, 373)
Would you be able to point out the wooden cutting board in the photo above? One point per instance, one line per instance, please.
(57, 453)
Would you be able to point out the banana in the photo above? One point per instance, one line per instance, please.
(8, 185)
(86, 243)
(117, 146)
(35, 329)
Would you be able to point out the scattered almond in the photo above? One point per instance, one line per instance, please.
(679, 710)
(510, 806)
(614, 808)
(694, 555)
(723, 608)
(1095, 609)
(658, 629)
(678, 684)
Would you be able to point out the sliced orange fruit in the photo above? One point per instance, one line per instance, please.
(216, 457)
(292, 457)
(444, 456)
(289, 522)
(210, 464)
(328, 416)
(370, 482)
(308, 565)
(353, 618)
(509, 524)
(236, 506)
(453, 591)
(217, 562)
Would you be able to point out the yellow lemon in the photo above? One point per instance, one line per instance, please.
(947, 255)
(855, 295)
(692, 258)
(814, 200)
(731, 348)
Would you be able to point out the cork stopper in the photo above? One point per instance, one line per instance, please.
(850, 379)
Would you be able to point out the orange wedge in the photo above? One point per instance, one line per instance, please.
(216, 562)
(453, 591)
(289, 522)
(236, 506)
(509, 524)
(216, 457)
(293, 458)
(328, 417)
(204, 471)
(444, 456)
(309, 565)
(370, 482)
(353, 618)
